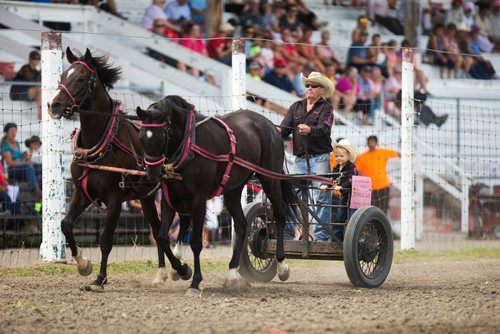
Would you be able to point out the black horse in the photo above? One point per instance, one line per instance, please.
(107, 139)
(200, 149)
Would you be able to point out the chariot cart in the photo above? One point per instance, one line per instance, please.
(367, 248)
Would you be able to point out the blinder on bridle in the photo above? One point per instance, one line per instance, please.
(91, 85)
(150, 160)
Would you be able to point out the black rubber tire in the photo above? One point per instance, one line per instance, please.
(368, 247)
(252, 268)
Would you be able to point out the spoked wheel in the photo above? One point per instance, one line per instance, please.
(255, 265)
(368, 247)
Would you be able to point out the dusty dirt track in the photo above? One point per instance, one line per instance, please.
(435, 297)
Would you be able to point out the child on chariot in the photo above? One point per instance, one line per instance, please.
(345, 156)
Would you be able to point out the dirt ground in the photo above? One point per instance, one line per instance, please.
(421, 297)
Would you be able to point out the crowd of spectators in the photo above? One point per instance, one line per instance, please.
(279, 46)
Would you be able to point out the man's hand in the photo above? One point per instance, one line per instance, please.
(304, 129)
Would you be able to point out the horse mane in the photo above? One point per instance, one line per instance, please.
(107, 74)
(178, 104)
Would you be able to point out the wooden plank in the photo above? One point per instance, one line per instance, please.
(317, 250)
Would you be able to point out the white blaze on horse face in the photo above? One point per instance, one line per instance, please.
(149, 134)
(70, 71)
(55, 94)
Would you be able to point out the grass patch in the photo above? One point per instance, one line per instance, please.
(463, 254)
(149, 267)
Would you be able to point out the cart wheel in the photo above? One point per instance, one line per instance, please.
(255, 266)
(368, 247)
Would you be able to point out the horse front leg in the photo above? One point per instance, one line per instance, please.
(198, 219)
(151, 215)
(233, 205)
(114, 209)
(162, 238)
(78, 204)
(184, 223)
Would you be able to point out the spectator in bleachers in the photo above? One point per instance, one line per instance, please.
(159, 28)
(155, 12)
(290, 21)
(272, 19)
(482, 19)
(362, 26)
(357, 55)
(325, 52)
(478, 42)
(288, 51)
(391, 56)
(436, 52)
(482, 69)
(220, 46)
(30, 73)
(363, 95)
(105, 5)
(330, 72)
(468, 17)
(8, 206)
(305, 48)
(391, 89)
(495, 23)
(377, 83)
(306, 16)
(378, 11)
(463, 43)
(35, 156)
(178, 13)
(451, 46)
(345, 91)
(456, 13)
(278, 77)
(19, 167)
(251, 15)
(296, 72)
(192, 40)
(266, 57)
(198, 11)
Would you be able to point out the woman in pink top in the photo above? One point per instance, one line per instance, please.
(451, 45)
(345, 91)
(192, 41)
(325, 52)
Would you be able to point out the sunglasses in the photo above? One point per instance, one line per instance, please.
(313, 86)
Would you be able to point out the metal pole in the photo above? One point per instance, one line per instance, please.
(239, 76)
(407, 166)
(53, 247)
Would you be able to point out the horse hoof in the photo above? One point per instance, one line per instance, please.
(188, 273)
(284, 275)
(161, 276)
(193, 293)
(236, 284)
(84, 267)
(173, 275)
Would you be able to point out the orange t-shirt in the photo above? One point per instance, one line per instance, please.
(373, 164)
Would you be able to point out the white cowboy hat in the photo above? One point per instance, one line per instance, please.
(316, 77)
(346, 145)
(462, 27)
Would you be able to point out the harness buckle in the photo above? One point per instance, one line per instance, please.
(121, 184)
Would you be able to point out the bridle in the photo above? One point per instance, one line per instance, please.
(92, 81)
(151, 160)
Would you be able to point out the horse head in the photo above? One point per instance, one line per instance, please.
(84, 77)
(154, 136)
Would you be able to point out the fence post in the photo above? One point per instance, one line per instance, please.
(53, 247)
(239, 76)
(407, 167)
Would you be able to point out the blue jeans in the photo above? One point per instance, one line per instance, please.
(13, 207)
(24, 173)
(338, 230)
(322, 199)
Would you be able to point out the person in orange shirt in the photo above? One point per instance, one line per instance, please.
(373, 163)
